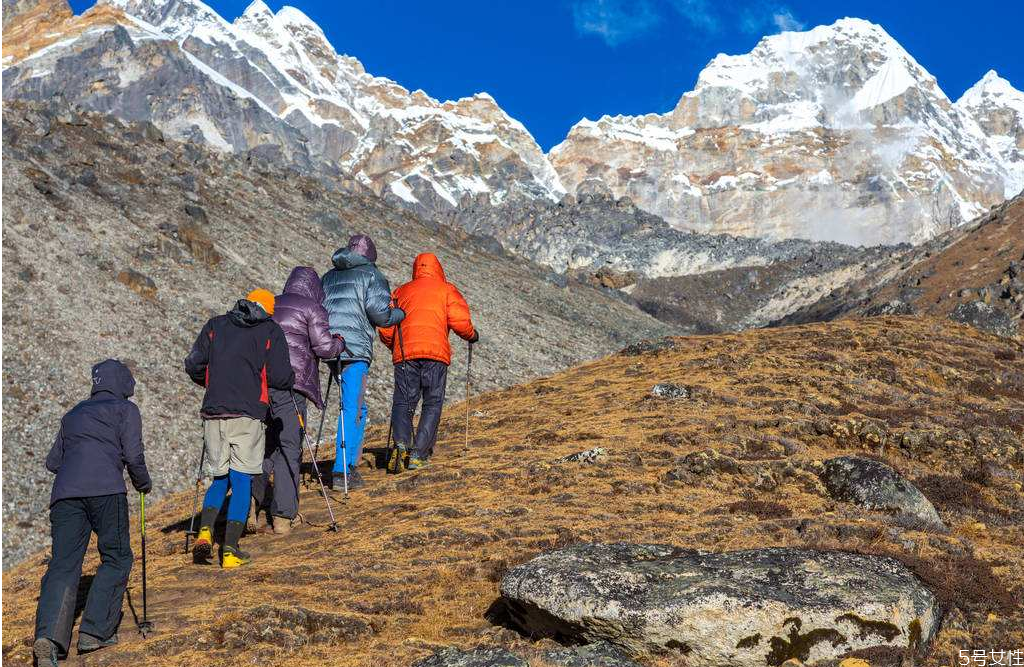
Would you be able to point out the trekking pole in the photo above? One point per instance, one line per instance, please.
(469, 371)
(146, 626)
(195, 501)
(316, 468)
(391, 448)
(323, 413)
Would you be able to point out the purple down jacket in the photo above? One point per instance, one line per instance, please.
(300, 312)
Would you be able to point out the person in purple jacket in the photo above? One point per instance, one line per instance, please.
(300, 312)
(97, 440)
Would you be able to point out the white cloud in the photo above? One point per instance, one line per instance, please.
(614, 21)
(618, 21)
(763, 18)
(698, 13)
(785, 21)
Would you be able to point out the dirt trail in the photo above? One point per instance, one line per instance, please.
(416, 561)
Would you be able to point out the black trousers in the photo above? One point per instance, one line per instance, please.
(415, 378)
(284, 455)
(72, 522)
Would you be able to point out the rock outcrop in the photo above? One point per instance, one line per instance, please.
(740, 608)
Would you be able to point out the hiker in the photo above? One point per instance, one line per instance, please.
(96, 441)
(301, 315)
(239, 357)
(421, 354)
(357, 300)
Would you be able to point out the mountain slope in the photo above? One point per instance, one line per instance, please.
(731, 465)
(836, 133)
(974, 274)
(119, 242)
(273, 82)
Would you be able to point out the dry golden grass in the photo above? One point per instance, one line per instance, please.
(418, 557)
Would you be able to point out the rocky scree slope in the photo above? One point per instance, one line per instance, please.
(272, 83)
(715, 444)
(700, 282)
(974, 274)
(836, 133)
(119, 242)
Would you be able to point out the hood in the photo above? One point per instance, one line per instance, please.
(344, 258)
(113, 376)
(247, 313)
(361, 244)
(304, 281)
(427, 266)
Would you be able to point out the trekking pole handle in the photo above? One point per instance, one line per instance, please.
(142, 512)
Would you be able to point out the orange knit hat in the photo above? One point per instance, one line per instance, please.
(262, 297)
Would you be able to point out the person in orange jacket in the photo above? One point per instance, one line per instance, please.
(421, 354)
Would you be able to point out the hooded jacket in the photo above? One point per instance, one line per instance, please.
(433, 307)
(357, 298)
(99, 438)
(300, 312)
(237, 357)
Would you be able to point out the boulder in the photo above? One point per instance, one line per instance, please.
(874, 485)
(981, 315)
(757, 607)
(670, 391)
(589, 456)
(601, 654)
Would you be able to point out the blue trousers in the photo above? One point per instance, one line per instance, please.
(352, 418)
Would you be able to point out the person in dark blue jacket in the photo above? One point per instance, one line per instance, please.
(98, 439)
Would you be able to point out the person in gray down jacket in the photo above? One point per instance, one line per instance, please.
(300, 312)
(357, 299)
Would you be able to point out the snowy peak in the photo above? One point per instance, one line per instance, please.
(993, 90)
(834, 133)
(998, 109)
(827, 76)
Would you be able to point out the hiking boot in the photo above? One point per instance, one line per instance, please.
(202, 548)
(88, 643)
(282, 525)
(416, 463)
(355, 480)
(234, 557)
(45, 652)
(398, 461)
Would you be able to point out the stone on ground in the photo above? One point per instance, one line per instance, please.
(874, 485)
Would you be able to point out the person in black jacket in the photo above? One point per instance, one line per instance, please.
(238, 357)
(97, 440)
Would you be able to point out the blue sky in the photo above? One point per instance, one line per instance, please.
(551, 62)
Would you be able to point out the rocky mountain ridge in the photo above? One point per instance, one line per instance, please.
(835, 134)
(974, 274)
(272, 83)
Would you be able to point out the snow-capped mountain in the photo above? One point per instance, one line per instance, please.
(836, 133)
(274, 83)
(998, 108)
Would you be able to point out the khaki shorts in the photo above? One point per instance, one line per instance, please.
(235, 444)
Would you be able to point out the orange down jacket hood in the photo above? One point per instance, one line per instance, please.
(433, 307)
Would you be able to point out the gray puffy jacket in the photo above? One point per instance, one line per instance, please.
(357, 299)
